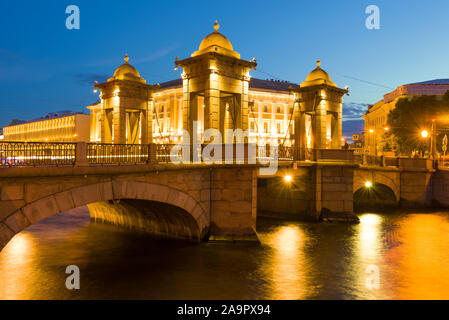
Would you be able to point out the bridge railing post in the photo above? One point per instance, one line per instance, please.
(81, 155)
(152, 153)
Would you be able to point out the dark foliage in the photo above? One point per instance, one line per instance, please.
(412, 115)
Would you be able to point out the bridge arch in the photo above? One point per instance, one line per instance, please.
(375, 197)
(391, 179)
(111, 190)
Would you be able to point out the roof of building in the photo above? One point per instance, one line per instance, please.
(171, 84)
(48, 116)
(254, 83)
(318, 76)
(429, 87)
(216, 42)
(436, 81)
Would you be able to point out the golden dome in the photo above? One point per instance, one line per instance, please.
(318, 76)
(216, 42)
(127, 72)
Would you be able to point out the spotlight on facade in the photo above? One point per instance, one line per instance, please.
(424, 134)
(387, 128)
(368, 184)
(371, 131)
(288, 178)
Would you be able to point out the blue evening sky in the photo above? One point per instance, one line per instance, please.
(45, 67)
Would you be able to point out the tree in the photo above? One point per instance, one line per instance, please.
(411, 115)
(389, 143)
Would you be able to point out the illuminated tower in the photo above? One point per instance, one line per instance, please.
(215, 86)
(318, 113)
(126, 112)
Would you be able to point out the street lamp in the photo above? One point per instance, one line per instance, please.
(424, 134)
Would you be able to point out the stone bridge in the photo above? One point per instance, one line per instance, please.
(135, 187)
(194, 202)
(414, 182)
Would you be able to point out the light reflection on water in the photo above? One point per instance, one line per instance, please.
(296, 260)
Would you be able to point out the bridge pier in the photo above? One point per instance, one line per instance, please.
(318, 190)
(233, 195)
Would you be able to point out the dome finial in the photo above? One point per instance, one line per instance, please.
(318, 63)
(216, 26)
(126, 58)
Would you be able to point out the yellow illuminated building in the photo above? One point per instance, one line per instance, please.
(63, 128)
(217, 91)
(377, 115)
(269, 112)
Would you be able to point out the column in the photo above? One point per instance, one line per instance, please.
(118, 119)
(212, 103)
(300, 131)
(319, 126)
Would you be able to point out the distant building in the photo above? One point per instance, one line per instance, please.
(62, 126)
(377, 115)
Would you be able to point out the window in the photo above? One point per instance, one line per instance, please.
(265, 127)
(162, 108)
(252, 126)
(278, 109)
(279, 127)
(265, 108)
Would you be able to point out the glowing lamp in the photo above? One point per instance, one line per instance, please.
(368, 184)
(424, 133)
(288, 178)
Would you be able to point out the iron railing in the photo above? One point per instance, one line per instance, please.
(371, 160)
(391, 162)
(163, 152)
(105, 153)
(285, 153)
(264, 152)
(15, 154)
(43, 153)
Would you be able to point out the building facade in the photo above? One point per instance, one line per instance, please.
(376, 116)
(55, 127)
(217, 92)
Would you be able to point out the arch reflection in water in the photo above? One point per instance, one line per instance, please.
(17, 256)
(368, 256)
(286, 266)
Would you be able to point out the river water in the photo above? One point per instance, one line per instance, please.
(400, 256)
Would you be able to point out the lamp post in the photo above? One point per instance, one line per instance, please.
(373, 139)
(424, 135)
(433, 141)
(433, 147)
